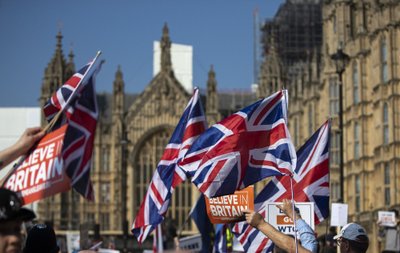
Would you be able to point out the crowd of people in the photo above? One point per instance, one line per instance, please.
(42, 238)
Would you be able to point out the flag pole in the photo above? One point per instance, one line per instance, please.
(294, 215)
(51, 123)
(59, 113)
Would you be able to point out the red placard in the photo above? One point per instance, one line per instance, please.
(41, 174)
(228, 208)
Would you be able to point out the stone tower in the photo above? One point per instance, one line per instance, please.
(212, 98)
(56, 73)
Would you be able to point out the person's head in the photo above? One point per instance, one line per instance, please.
(352, 238)
(11, 217)
(396, 212)
(41, 238)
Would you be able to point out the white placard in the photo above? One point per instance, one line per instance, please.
(387, 219)
(191, 243)
(339, 214)
(110, 251)
(284, 224)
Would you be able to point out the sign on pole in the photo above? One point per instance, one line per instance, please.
(41, 174)
(387, 219)
(278, 219)
(228, 208)
(339, 214)
(192, 243)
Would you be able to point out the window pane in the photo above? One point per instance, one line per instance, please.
(355, 84)
(387, 196)
(385, 124)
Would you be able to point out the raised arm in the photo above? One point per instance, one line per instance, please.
(281, 240)
(307, 235)
(22, 146)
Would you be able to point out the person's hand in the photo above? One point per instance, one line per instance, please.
(287, 208)
(253, 218)
(28, 139)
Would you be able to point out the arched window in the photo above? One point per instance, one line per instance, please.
(296, 132)
(105, 159)
(384, 61)
(385, 122)
(310, 120)
(146, 163)
(358, 193)
(386, 184)
(333, 97)
(356, 140)
(356, 87)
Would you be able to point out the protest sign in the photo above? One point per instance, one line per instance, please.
(192, 243)
(339, 214)
(387, 219)
(228, 208)
(41, 174)
(284, 224)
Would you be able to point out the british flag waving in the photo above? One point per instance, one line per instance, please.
(311, 184)
(61, 99)
(76, 102)
(168, 175)
(242, 149)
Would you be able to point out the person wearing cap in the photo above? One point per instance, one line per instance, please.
(285, 242)
(22, 146)
(352, 238)
(12, 214)
(41, 238)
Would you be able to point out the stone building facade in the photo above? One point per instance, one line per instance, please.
(132, 132)
(369, 32)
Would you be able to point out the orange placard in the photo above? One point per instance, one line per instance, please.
(228, 208)
(283, 220)
(41, 174)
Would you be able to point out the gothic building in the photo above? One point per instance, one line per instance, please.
(368, 31)
(132, 132)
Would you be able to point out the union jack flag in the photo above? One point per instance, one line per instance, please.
(311, 184)
(168, 175)
(220, 240)
(79, 137)
(242, 149)
(62, 97)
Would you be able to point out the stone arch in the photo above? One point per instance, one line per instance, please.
(143, 161)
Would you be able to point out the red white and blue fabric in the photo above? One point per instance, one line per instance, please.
(220, 240)
(311, 184)
(60, 99)
(242, 149)
(168, 175)
(79, 137)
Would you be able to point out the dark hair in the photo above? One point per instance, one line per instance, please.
(396, 212)
(360, 245)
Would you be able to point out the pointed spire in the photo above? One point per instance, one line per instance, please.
(166, 65)
(59, 39)
(55, 74)
(71, 56)
(212, 97)
(118, 95)
(211, 82)
(70, 69)
(118, 82)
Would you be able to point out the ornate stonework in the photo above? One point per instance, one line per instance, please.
(369, 32)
